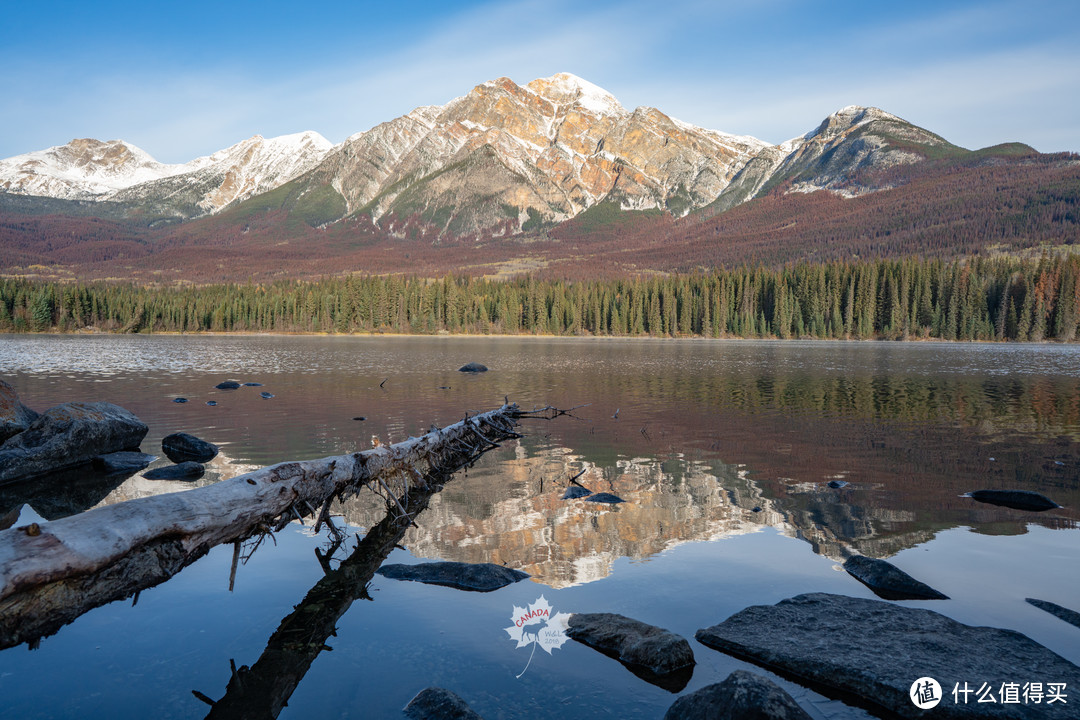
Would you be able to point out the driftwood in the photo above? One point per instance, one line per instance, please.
(52, 573)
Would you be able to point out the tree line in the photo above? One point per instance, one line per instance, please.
(979, 298)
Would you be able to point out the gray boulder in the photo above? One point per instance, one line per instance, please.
(876, 650)
(182, 447)
(1070, 616)
(478, 577)
(888, 581)
(67, 436)
(435, 703)
(1016, 499)
(182, 471)
(742, 696)
(473, 367)
(125, 461)
(14, 416)
(632, 642)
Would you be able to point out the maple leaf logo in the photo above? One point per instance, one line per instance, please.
(538, 625)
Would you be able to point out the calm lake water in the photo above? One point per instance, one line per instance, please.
(722, 450)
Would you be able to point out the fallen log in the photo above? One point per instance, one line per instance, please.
(54, 572)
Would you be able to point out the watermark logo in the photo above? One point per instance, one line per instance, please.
(538, 625)
(925, 693)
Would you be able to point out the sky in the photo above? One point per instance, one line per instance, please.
(181, 80)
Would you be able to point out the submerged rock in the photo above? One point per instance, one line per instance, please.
(1016, 499)
(888, 581)
(632, 642)
(875, 650)
(228, 385)
(604, 498)
(67, 436)
(122, 462)
(435, 703)
(14, 416)
(576, 491)
(253, 384)
(1070, 616)
(211, 403)
(742, 696)
(182, 447)
(179, 400)
(266, 395)
(181, 471)
(473, 367)
(478, 577)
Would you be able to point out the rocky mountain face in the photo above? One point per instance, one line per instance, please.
(502, 159)
(120, 175)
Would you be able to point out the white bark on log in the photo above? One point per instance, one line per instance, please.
(51, 573)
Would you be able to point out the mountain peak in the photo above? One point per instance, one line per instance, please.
(565, 88)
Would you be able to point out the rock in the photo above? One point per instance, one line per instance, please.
(361, 418)
(14, 416)
(252, 384)
(228, 385)
(67, 436)
(179, 399)
(837, 484)
(435, 703)
(1070, 616)
(211, 403)
(478, 577)
(875, 650)
(266, 395)
(742, 696)
(604, 498)
(473, 367)
(632, 642)
(888, 581)
(122, 462)
(756, 508)
(181, 447)
(1016, 499)
(182, 471)
(576, 491)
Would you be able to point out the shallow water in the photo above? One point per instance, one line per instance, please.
(693, 434)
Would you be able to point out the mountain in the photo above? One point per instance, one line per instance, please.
(553, 174)
(127, 181)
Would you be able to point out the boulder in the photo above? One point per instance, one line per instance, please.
(253, 384)
(1016, 499)
(837, 484)
(604, 498)
(182, 471)
(14, 416)
(228, 385)
(742, 696)
(182, 447)
(632, 642)
(125, 461)
(180, 400)
(576, 491)
(876, 650)
(473, 367)
(1070, 616)
(888, 581)
(435, 703)
(266, 395)
(478, 577)
(67, 436)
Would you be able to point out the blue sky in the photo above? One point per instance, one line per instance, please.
(186, 79)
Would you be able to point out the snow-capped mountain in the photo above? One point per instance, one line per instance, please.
(116, 171)
(502, 159)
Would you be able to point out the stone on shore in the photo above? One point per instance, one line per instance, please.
(1070, 616)
(68, 436)
(1015, 499)
(181, 471)
(477, 577)
(742, 696)
(888, 581)
(125, 461)
(876, 650)
(182, 447)
(473, 367)
(14, 416)
(632, 642)
(435, 703)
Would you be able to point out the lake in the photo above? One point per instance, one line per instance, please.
(721, 449)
